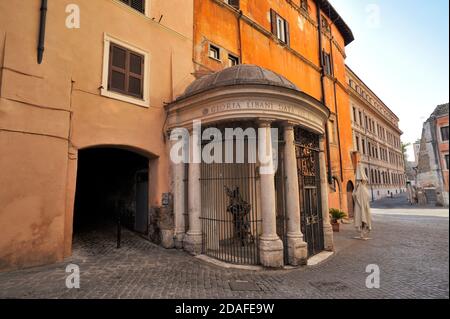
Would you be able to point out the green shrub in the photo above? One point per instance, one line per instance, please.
(337, 214)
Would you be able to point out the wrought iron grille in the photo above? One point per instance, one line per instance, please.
(307, 152)
(230, 213)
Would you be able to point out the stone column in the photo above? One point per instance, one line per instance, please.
(193, 238)
(297, 248)
(179, 203)
(327, 228)
(271, 247)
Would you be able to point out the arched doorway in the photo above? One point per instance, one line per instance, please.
(112, 184)
(350, 203)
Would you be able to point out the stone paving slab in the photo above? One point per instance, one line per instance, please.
(412, 253)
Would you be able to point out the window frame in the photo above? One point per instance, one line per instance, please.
(327, 63)
(212, 47)
(441, 129)
(304, 5)
(235, 58)
(106, 92)
(275, 24)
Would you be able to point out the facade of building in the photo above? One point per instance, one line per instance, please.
(88, 117)
(84, 127)
(283, 36)
(377, 138)
(433, 158)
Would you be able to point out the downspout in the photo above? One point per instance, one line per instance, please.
(337, 112)
(322, 87)
(42, 23)
(240, 36)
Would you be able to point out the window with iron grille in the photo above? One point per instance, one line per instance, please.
(138, 5)
(126, 71)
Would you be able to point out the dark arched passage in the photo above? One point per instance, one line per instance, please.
(110, 181)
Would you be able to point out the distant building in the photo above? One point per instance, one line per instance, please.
(433, 158)
(416, 147)
(376, 137)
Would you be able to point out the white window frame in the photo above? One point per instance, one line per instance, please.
(281, 29)
(145, 101)
(233, 57)
(214, 47)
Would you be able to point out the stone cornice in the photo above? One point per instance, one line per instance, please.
(249, 102)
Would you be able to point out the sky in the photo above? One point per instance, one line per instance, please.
(401, 51)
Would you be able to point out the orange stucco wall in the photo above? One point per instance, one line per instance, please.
(250, 39)
(50, 111)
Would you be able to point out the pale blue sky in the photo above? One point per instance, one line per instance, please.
(401, 51)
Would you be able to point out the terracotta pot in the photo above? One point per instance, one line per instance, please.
(335, 226)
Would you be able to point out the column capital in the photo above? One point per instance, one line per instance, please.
(288, 125)
(265, 122)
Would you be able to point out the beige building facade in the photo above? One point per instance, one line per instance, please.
(93, 107)
(377, 138)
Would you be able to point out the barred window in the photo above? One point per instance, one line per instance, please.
(138, 5)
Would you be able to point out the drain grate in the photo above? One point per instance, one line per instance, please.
(244, 286)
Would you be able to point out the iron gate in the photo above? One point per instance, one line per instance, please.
(230, 219)
(307, 153)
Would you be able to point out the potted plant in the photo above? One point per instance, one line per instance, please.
(336, 216)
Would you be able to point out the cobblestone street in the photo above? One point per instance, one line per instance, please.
(411, 251)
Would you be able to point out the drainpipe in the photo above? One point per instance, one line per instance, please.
(337, 112)
(42, 24)
(240, 36)
(322, 87)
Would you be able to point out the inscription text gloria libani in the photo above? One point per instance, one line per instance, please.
(245, 105)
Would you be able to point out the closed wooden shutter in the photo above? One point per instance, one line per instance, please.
(126, 71)
(273, 20)
(288, 33)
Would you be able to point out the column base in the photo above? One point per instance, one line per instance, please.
(328, 237)
(297, 251)
(178, 240)
(271, 252)
(167, 239)
(193, 243)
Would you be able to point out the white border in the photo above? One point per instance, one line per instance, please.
(145, 101)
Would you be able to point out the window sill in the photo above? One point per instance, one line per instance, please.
(124, 98)
(214, 59)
